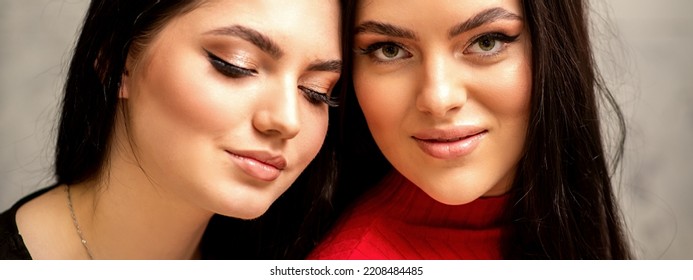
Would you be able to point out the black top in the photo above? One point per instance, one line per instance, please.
(11, 243)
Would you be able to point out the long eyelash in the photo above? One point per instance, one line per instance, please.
(502, 38)
(228, 69)
(495, 36)
(316, 97)
(376, 46)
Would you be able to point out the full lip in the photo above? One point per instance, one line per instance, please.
(451, 142)
(448, 134)
(261, 164)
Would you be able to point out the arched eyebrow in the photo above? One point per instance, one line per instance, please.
(326, 65)
(270, 47)
(253, 36)
(484, 17)
(481, 18)
(384, 29)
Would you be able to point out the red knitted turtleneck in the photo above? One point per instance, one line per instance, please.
(397, 220)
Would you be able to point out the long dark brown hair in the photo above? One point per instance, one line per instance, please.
(113, 30)
(562, 203)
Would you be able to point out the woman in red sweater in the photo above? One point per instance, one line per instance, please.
(485, 128)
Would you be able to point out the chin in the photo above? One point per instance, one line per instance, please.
(452, 196)
(247, 207)
(454, 199)
(250, 213)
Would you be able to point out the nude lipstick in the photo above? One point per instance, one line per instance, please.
(450, 143)
(259, 164)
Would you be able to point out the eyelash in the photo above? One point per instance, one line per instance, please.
(371, 49)
(315, 97)
(500, 37)
(228, 69)
(234, 71)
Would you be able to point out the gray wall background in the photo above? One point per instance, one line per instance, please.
(644, 49)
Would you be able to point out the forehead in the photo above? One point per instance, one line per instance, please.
(304, 22)
(441, 10)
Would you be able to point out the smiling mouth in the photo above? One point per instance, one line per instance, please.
(448, 140)
(449, 148)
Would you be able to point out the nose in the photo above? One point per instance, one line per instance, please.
(441, 90)
(279, 111)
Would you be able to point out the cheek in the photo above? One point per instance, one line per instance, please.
(383, 100)
(182, 101)
(178, 115)
(312, 135)
(518, 106)
(509, 106)
(508, 93)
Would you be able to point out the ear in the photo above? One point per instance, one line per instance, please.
(124, 92)
(125, 77)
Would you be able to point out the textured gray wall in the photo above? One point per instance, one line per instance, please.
(644, 49)
(35, 39)
(655, 87)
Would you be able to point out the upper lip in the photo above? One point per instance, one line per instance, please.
(448, 134)
(272, 159)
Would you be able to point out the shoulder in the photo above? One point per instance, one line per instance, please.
(12, 245)
(43, 222)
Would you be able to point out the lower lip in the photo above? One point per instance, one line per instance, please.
(451, 150)
(256, 168)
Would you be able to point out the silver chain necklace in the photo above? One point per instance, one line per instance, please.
(74, 221)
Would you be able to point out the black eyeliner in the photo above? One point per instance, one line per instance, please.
(376, 46)
(495, 36)
(228, 69)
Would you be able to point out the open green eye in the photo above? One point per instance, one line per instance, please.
(486, 43)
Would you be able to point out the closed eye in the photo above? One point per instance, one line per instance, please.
(316, 97)
(228, 69)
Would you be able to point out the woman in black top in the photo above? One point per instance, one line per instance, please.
(174, 111)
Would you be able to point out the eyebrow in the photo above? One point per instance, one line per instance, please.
(326, 65)
(253, 36)
(384, 29)
(484, 17)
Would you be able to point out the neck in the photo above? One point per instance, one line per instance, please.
(125, 220)
(126, 215)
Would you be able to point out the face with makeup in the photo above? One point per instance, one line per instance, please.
(445, 89)
(228, 103)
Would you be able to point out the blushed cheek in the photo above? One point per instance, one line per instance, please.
(524, 90)
(514, 109)
(372, 98)
(511, 91)
(187, 100)
(387, 103)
